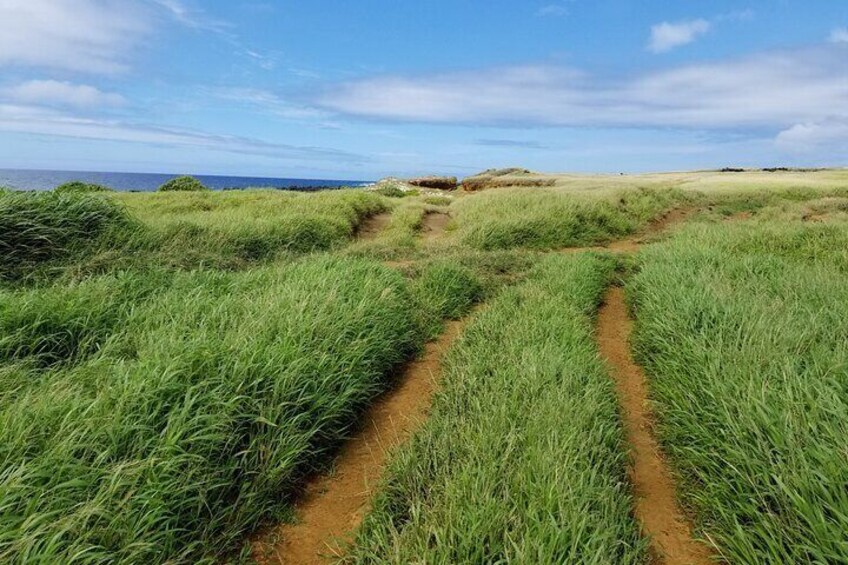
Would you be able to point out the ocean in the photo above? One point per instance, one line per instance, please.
(21, 179)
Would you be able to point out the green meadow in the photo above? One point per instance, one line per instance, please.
(176, 366)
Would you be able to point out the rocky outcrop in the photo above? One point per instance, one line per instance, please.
(440, 183)
(499, 178)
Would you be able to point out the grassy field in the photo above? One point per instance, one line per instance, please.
(744, 331)
(174, 366)
(522, 459)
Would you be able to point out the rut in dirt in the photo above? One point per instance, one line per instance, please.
(334, 505)
(656, 507)
(373, 226)
(434, 224)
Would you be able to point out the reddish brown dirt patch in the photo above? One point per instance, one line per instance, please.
(433, 224)
(654, 489)
(373, 226)
(632, 244)
(334, 505)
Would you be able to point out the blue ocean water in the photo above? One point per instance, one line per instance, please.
(22, 179)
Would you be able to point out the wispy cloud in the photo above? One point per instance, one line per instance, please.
(667, 36)
(775, 90)
(509, 143)
(839, 35)
(94, 36)
(44, 121)
(558, 9)
(192, 17)
(59, 93)
(273, 104)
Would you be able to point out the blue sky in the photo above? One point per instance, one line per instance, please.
(360, 90)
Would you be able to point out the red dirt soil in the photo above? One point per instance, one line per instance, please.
(433, 224)
(333, 505)
(373, 226)
(654, 488)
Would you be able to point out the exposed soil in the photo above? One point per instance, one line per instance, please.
(656, 508)
(333, 505)
(433, 224)
(632, 244)
(373, 226)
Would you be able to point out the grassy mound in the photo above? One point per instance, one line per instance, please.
(37, 228)
(81, 187)
(743, 331)
(231, 229)
(445, 290)
(550, 218)
(183, 184)
(180, 428)
(522, 458)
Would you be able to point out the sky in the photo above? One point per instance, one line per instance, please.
(336, 89)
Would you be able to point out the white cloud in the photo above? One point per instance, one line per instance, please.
(666, 36)
(773, 90)
(809, 137)
(53, 92)
(553, 10)
(78, 35)
(839, 35)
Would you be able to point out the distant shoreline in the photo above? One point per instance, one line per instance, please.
(36, 179)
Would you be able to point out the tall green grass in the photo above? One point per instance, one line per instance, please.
(216, 227)
(546, 218)
(743, 330)
(146, 422)
(40, 228)
(522, 459)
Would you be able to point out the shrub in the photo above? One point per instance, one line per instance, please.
(183, 184)
(390, 190)
(77, 186)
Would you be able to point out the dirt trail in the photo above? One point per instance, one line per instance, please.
(373, 226)
(333, 505)
(433, 224)
(654, 489)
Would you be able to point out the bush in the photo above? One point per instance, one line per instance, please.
(390, 190)
(39, 227)
(183, 184)
(78, 187)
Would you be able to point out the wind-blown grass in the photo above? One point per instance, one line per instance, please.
(167, 436)
(546, 218)
(744, 333)
(522, 459)
(232, 227)
(39, 228)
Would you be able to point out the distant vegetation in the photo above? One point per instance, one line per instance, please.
(81, 187)
(183, 184)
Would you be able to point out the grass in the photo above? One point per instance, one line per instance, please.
(50, 233)
(39, 229)
(229, 229)
(545, 218)
(188, 416)
(173, 365)
(522, 458)
(743, 332)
